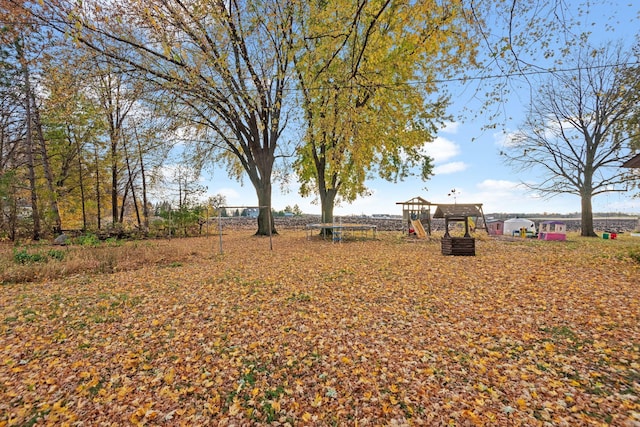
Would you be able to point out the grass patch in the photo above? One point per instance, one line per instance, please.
(87, 255)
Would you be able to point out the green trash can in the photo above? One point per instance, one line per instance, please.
(605, 236)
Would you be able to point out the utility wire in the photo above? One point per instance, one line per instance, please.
(477, 78)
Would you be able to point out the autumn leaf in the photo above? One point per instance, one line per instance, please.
(383, 340)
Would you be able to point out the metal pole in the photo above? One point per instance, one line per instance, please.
(269, 222)
(220, 229)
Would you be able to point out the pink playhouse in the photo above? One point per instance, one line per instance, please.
(552, 230)
(495, 227)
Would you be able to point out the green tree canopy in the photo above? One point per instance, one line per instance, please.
(368, 74)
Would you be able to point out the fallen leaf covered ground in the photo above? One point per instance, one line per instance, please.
(366, 332)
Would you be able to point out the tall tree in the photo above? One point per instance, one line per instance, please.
(11, 135)
(32, 44)
(139, 154)
(97, 118)
(27, 44)
(520, 39)
(574, 133)
(151, 136)
(367, 72)
(29, 148)
(44, 160)
(227, 61)
(116, 93)
(73, 125)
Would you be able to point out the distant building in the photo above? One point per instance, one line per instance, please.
(251, 212)
(380, 216)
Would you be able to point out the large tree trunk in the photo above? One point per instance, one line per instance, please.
(266, 225)
(124, 201)
(35, 213)
(260, 175)
(587, 216)
(13, 214)
(327, 203)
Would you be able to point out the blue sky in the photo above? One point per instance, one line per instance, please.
(472, 168)
(466, 158)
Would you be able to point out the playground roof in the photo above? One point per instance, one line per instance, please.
(633, 162)
(458, 211)
(416, 201)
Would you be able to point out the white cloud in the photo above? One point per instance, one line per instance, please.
(166, 172)
(508, 196)
(184, 134)
(505, 139)
(441, 149)
(499, 185)
(448, 168)
(450, 127)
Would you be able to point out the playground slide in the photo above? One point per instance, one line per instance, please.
(419, 229)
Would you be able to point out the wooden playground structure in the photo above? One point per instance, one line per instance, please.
(416, 217)
(416, 213)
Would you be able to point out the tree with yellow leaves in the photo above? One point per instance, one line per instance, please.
(368, 73)
(224, 65)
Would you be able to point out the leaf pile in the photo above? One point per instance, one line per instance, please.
(373, 332)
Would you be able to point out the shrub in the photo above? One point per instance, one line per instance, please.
(634, 254)
(88, 240)
(24, 257)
